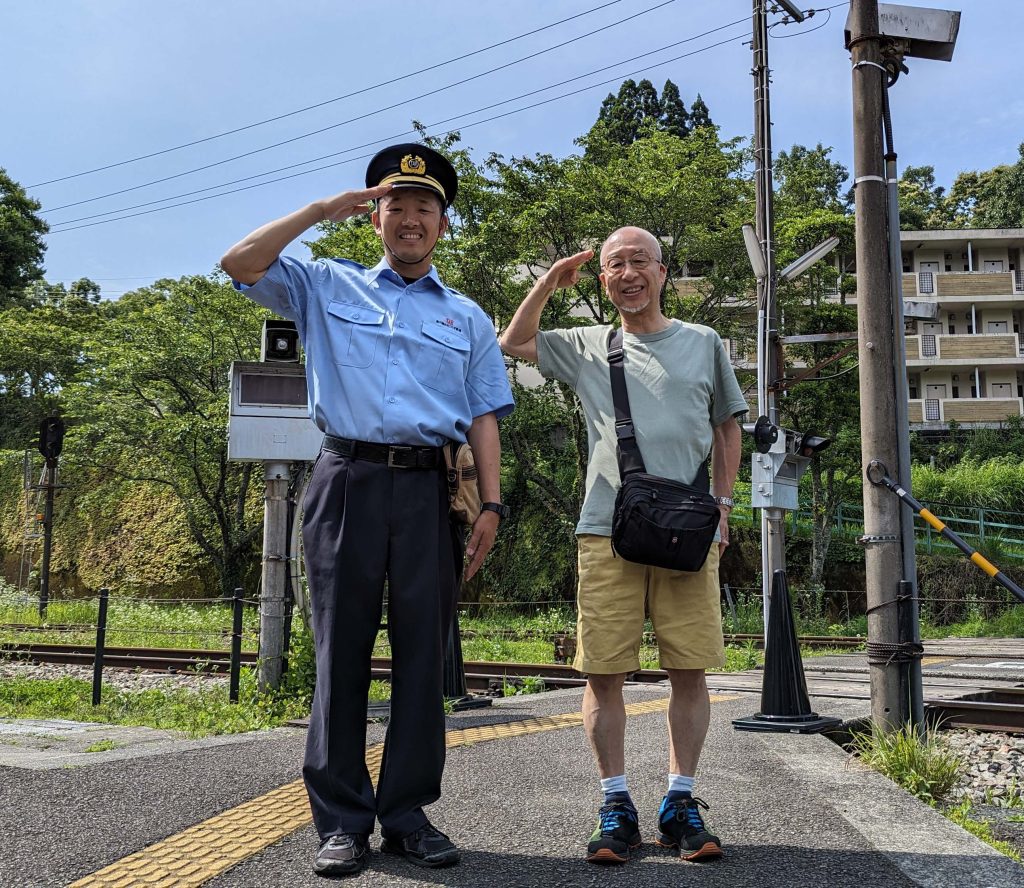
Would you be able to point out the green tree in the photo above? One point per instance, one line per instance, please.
(151, 409)
(699, 114)
(923, 204)
(809, 180)
(824, 401)
(41, 352)
(21, 241)
(993, 198)
(675, 119)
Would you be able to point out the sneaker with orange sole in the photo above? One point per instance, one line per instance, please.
(617, 834)
(682, 828)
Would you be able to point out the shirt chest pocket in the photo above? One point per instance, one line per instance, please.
(354, 331)
(442, 360)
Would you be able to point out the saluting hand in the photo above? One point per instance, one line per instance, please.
(566, 272)
(351, 203)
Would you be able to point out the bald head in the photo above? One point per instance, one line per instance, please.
(635, 238)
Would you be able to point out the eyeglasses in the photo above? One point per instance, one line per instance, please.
(638, 262)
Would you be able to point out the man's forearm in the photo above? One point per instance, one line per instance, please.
(725, 459)
(486, 443)
(248, 260)
(520, 336)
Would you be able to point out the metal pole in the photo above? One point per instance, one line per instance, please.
(236, 646)
(883, 554)
(773, 534)
(275, 566)
(44, 579)
(911, 624)
(101, 644)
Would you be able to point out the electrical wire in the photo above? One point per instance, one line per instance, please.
(359, 117)
(57, 230)
(396, 135)
(801, 33)
(357, 92)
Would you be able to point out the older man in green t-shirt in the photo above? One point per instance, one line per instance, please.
(683, 399)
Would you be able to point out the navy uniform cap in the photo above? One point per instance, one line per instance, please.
(413, 166)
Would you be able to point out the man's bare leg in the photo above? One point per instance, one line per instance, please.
(689, 714)
(604, 717)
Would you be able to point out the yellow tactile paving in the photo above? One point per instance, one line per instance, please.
(204, 851)
(931, 661)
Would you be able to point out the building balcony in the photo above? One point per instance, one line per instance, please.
(963, 285)
(989, 411)
(927, 349)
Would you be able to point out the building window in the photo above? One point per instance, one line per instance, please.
(913, 392)
(956, 391)
(974, 392)
(970, 329)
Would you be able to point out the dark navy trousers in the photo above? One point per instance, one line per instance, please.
(366, 523)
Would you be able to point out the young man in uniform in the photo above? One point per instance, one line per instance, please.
(397, 365)
(683, 397)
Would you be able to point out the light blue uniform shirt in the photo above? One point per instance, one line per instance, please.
(387, 362)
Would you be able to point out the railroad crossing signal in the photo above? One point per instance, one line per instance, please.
(51, 437)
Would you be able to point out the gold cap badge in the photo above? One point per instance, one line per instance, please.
(413, 163)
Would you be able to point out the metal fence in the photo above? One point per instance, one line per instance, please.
(983, 527)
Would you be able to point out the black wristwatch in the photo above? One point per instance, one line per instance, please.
(502, 510)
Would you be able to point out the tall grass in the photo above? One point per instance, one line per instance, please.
(130, 622)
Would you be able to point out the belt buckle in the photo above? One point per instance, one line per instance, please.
(391, 456)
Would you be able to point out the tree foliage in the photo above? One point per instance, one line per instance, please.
(151, 408)
(21, 241)
(636, 109)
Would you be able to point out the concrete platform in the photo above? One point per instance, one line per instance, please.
(520, 799)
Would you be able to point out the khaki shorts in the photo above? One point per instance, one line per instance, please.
(685, 609)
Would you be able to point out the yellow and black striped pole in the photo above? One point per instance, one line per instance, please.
(878, 474)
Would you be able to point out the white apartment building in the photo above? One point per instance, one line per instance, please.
(966, 364)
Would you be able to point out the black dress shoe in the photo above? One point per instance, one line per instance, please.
(343, 855)
(426, 846)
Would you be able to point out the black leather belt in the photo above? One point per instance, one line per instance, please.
(397, 456)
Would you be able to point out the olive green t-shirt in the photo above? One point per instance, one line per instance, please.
(680, 383)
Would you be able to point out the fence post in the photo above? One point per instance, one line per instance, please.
(981, 528)
(101, 643)
(236, 646)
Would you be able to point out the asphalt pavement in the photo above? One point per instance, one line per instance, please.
(520, 798)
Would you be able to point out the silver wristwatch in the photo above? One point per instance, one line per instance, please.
(726, 501)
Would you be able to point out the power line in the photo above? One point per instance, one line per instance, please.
(388, 138)
(437, 123)
(332, 126)
(357, 92)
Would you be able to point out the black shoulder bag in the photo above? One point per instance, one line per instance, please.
(657, 521)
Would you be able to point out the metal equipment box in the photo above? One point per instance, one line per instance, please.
(269, 414)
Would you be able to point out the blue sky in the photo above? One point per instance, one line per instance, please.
(96, 82)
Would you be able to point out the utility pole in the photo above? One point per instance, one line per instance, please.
(275, 568)
(773, 548)
(876, 353)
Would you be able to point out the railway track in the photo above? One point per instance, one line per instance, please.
(148, 659)
(984, 708)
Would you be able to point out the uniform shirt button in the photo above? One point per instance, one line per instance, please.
(447, 339)
(395, 362)
(391, 400)
(401, 323)
(355, 314)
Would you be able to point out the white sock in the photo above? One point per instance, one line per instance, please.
(611, 785)
(679, 783)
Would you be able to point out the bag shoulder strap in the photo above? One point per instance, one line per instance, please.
(627, 450)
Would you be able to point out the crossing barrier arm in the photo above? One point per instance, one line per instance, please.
(878, 474)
